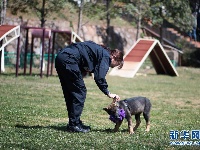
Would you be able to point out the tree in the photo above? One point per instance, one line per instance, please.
(103, 10)
(138, 9)
(3, 11)
(80, 5)
(177, 12)
(42, 8)
(108, 20)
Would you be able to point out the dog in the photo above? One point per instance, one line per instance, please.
(118, 110)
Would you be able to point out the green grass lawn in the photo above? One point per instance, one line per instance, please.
(33, 113)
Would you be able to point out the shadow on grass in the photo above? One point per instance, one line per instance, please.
(62, 128)
(108, 130)
(58, 127)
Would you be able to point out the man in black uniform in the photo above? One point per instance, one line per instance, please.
(71, 62)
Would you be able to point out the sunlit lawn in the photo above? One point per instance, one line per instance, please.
(33, 113)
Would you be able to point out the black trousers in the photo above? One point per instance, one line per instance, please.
(73, 86)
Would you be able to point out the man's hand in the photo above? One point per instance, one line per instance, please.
(114, 96)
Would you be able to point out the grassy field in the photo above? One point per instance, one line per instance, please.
(33, 114)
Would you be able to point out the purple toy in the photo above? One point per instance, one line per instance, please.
(121, 113)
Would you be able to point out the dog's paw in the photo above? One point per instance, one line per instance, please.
(132, 132)
(147, 130)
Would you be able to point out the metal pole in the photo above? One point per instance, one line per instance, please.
(0, 54)
(17, 60)
(25, 51)
(49, 50)
(41, 73)
(31, 59)
(53, 45)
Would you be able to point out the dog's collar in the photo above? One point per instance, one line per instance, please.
(126, 104)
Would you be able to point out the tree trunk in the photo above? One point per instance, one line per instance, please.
(161, 26)
(108, 22)
(3, 11)
(138, 24)
(161, 33)
(43, 14)
(80, 18)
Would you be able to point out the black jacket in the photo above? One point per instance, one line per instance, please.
(95, 59)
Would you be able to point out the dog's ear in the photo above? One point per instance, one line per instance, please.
(114, 100)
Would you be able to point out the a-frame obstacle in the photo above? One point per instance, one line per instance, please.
(138, 53)
(8, 33)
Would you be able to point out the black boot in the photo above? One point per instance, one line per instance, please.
(77, 128)
(84, 126)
